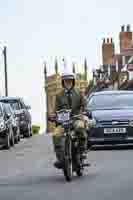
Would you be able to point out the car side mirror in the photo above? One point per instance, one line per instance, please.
(8, 116)
(88, 113)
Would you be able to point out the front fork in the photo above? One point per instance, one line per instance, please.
(76, 152)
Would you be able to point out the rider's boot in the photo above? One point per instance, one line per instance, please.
(59, 160)
(58, 164)
(58, 149)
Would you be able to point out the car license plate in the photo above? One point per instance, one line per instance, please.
(114, 130)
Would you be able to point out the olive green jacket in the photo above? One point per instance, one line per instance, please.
(78, 101)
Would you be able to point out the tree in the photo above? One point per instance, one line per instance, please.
(91, 83)
(45, 70)
(80, 76)
(56, 66)
(74, 68)
(85, 68)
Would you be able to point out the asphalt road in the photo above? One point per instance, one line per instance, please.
(27, 172)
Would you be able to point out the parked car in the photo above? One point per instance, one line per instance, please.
(112, 116)
(22, 112)
(6, 128)
(15, 122)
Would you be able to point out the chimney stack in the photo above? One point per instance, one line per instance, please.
(108, 50)
(107, 40)
(125, 38)
(122, 28)
(128, 28)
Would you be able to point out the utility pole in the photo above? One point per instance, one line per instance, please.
(46, 92)
(5, 69)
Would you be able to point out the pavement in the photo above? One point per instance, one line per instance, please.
(27, 172)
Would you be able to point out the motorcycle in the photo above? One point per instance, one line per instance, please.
(73, 159)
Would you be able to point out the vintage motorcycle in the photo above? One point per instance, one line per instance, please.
(73, 158)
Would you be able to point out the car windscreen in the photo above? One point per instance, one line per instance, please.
(111, 101)
(14, 104)
(10, 108)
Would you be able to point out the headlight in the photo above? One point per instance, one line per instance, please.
(92, 123)
(2, 125)
(131, 123)
(14, 122)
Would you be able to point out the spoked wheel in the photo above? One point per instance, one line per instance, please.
(68, 167)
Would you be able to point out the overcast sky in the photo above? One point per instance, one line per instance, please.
(37, 30)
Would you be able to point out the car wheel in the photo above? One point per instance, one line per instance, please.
(7, 143)
(12, 138)
(17, 139)
(31, 131)
(19, 135)
(28, 132)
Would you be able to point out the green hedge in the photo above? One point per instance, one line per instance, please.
(35, 129)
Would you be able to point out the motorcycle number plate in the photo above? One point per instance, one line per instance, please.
(63, 117)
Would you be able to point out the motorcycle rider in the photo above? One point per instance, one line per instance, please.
(69, 98)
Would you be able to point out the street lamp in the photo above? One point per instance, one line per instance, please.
(4, 52)
(5, 64)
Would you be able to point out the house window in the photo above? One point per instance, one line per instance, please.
(127, 59)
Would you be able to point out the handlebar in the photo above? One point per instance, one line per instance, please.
(76, 116)
(52, 118)
(63, 110)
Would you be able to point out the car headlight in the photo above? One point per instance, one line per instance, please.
(14, 122)
(131, 123)
(2, 125)
(92, 123)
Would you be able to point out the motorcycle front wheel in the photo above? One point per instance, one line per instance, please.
(68, 167)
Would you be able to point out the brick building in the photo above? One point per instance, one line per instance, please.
(117, 68)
